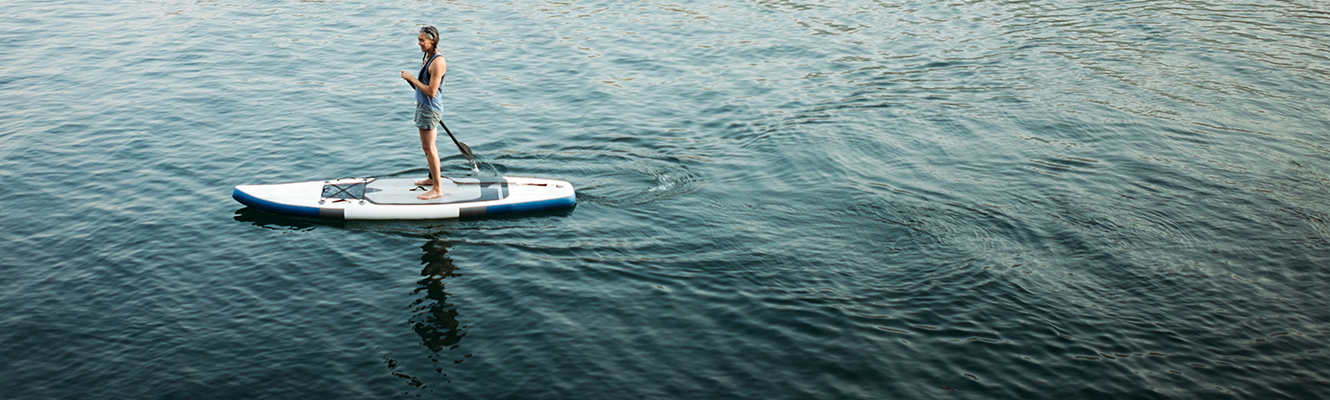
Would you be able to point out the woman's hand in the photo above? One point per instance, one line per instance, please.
(406, 76)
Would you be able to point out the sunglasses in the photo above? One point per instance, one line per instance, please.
(429, 30)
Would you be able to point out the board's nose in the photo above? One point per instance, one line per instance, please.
(261, 192)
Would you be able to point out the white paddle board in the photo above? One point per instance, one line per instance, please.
(395, 198)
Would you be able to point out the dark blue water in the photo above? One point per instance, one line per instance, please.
(777, 199)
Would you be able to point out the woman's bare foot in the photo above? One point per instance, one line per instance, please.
(431, 194)
(426, 182)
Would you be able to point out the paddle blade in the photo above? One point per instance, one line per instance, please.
(466, 151)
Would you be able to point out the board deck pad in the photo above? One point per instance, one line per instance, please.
(404, 191)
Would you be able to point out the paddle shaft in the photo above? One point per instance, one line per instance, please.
(466, 150)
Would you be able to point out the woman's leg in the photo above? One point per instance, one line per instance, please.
(427, 137)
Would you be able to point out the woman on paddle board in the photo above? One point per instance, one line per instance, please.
(429, 104)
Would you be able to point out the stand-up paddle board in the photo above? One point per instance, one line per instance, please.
(395, 198)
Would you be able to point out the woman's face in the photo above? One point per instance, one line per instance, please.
(424, 41)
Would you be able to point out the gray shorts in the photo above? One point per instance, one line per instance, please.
(427, 118)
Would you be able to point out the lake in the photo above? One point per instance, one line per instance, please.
(789, 199)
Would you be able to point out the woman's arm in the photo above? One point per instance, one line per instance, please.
(436, 71)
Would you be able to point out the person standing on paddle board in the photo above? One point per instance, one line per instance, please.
(428, 85)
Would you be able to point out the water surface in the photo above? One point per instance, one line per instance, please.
(777, 199)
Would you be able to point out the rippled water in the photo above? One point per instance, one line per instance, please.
(777, 199)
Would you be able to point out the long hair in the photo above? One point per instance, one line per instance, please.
(433, 33)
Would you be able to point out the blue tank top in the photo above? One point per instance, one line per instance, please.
(434, 103)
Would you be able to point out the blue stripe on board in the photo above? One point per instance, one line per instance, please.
(275, 208)
(532, 206)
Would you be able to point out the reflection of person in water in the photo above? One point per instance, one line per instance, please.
(436, 320)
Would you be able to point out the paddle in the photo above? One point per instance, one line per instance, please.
(466, 150)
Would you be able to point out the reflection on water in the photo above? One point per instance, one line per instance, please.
(434, 319)
(277, 222)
